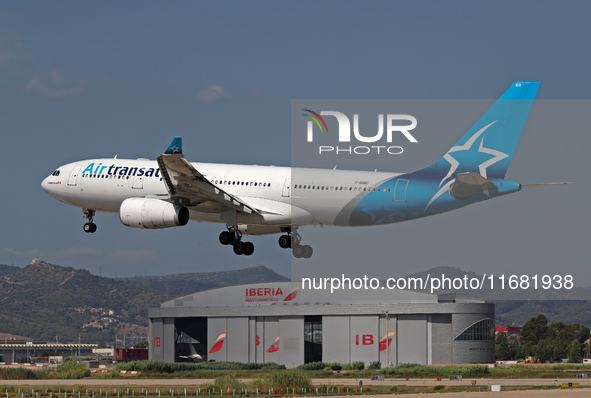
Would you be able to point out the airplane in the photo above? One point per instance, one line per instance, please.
(193, 356)
(260, 200)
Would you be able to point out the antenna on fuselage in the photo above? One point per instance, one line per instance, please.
(115, 157)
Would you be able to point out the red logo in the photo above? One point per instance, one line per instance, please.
(366, 339)
(386, 341)
(157, 342)
(219, 343)
(274, 347)
(263, 294)
(264, 291)
(292, 294)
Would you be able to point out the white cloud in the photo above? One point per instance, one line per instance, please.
(55, 87)
(211, 93)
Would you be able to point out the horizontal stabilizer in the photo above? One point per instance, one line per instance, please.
(468, 185)
(548, 184)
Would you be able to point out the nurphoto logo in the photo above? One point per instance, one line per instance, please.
(394, 125)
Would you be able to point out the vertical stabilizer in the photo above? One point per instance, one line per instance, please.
(487, 148)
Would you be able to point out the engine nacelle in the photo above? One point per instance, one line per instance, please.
(152, 214)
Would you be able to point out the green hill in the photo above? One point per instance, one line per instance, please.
(7, 269)
(43, 301)
(183, 284)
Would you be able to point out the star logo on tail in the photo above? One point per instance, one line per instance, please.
(461, 159)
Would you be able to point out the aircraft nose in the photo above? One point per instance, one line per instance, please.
(49, 186)
(44, 184)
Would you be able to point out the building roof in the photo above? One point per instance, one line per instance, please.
(290, 293)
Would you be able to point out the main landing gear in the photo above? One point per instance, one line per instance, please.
(234, 237)
(89, 227)
(292, 240)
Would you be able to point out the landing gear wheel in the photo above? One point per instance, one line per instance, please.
(249, 248)
(227, 238)
(285, 241)
(90, 227)
(240, 248)
(302, 251)
(298, 251)
(307, 251)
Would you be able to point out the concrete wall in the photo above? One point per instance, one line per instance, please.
(412, 339)
(291, 340)
(336, 339)
(441, 339)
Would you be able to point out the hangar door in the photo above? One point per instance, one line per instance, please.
(190, 338)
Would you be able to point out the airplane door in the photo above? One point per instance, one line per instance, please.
(400, 191)
(287, 188)
(138, 182)
(72, 180)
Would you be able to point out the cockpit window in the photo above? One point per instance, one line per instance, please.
(56, 173)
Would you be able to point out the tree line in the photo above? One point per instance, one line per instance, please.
(545, 343)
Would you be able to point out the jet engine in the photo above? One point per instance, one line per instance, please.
(152, 214)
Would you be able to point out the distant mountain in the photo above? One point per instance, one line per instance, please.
(514, 307)
(183, 284)
(43, 301)
(46, 301)
(7, 269)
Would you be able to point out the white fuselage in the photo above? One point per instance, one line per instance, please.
(283, 196)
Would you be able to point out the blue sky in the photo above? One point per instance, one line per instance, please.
(98, 79)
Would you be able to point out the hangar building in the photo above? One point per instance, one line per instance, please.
(283, 323)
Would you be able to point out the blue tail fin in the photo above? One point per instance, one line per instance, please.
(176, 146)
(487, 148)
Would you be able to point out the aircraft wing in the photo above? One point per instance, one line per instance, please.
(186, 185)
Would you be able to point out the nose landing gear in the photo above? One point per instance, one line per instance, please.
(234, 237)
(89, 227)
